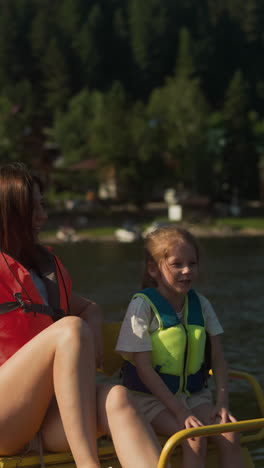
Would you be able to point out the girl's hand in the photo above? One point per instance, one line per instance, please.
(192, 421)
(188, 420)
(222, 415)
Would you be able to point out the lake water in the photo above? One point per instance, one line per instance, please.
(231, 276)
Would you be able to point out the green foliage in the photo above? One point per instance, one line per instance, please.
(181, 109)
(237, 104)
(185, 65)
(148, 32)
(56, 80)
(87, 45)
(109, 140)
(241, 158)
(71, 130)
(68, 17)
(160, 91)
(11, 131)
(8, 42)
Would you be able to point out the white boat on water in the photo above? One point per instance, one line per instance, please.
(127, 233)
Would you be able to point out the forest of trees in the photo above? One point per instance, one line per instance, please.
(163, 91)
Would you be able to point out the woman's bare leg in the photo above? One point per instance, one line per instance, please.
(135, 442)
(59, 360)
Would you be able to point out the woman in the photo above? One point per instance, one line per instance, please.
(50, 346)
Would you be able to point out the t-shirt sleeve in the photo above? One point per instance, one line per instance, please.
(212, 324)
(134, 333)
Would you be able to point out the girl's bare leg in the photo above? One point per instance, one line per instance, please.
(230, 453)
(59, 360)
(165, 423)
(194, 451)
(228, 444)
(134, 440)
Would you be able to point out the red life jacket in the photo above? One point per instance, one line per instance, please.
(23, 313)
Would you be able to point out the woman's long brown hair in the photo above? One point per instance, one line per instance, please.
(16, 210)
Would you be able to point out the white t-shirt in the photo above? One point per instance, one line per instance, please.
(140, 321)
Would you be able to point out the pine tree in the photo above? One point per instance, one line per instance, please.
(88, 47)
(8, 45)
(56, 79)
(240, 155)
(149, 41)
(251, 23)
(71, 128)
(185, 63)
(181, 109)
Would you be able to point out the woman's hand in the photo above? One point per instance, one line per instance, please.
(92, 314)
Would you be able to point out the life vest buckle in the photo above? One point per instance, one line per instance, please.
(20, 301)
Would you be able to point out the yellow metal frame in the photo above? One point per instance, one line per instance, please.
(213, 429)
(259, 399)
(240, 426)
(106, 450)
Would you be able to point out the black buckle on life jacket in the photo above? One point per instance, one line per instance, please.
(20, 301)
(55, 314)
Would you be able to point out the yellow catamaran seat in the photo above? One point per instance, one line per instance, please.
(171, 449)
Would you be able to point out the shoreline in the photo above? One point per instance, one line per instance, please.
(197, 231)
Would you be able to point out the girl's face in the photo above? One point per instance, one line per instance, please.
(178, 271)
(39, 214)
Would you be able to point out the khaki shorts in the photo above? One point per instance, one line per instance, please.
(151, 406)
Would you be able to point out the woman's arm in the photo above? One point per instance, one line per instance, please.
(221, 413)
(158, 388)
(92, 314)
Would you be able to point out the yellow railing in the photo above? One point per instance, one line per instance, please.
(203, 431)
(257, 390)
(240, 426)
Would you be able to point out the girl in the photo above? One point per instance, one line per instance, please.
(163, 338)
(50, 345)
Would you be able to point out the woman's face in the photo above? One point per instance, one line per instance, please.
(39, 213)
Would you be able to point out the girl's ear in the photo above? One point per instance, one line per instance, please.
(153, 269)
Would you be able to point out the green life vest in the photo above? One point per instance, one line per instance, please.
(177, 348)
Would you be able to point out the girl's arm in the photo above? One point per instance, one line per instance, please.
(155, 384)
(92, 314)
(221, 413)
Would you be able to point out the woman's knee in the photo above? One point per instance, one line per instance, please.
(72, 329)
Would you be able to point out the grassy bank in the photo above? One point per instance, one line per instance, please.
(219, 226)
